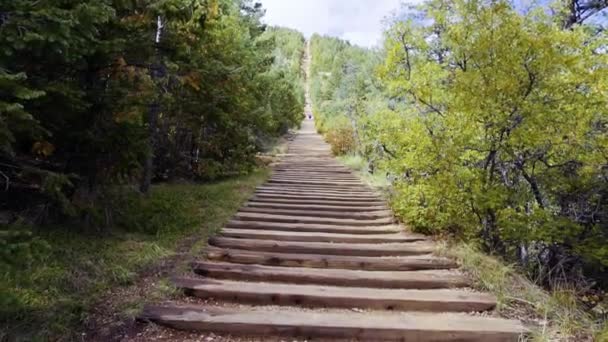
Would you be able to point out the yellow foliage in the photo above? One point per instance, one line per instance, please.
(341, 139)
(120, 62)
(126, 116)
(43, 148)
(193, 80)
(213, 9)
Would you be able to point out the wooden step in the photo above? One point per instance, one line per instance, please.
(309, 324)
(296, 200)
(330, 180)
(319, 237)
(284, 171)
(355, 192)
(313, 227)
(322, 164)
(366, 200)
(304, 182)
(302, 219)
(350, 188)
(314, 207)
(340, 194)
(321, 179)
(352, 278)
(326, 248)
(405, 263)
(359, 215)
(315, 177)
(442, 300)
(319, 170)
(318, 195)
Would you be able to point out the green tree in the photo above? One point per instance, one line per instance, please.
(505, 139)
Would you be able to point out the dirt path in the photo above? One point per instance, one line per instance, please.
(316, 254)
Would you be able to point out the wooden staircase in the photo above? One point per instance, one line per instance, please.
(325, 249)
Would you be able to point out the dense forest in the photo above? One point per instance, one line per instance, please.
(99, 100)
(97, 93)
(490, 125)
(104, 93)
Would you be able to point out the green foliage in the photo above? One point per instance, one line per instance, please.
(53, 276)
(165, 212)
(97, 96)
(343, 91)
(490, 124)
(505, 139)
(100, 93)
(19, 247)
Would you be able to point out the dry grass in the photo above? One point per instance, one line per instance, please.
(553, 316)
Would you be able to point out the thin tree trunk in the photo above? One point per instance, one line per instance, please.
(153, 112)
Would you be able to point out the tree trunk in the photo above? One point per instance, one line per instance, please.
(156, 72)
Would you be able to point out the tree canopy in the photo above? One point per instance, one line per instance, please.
(101, 93)
(490, 123)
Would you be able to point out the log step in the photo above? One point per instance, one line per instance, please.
(319, 237)
(418, 327)
(351, 278)
(321, 197)
(344, 184)
(296, 200)
(312, 227)
(317, 195)
(314, 207)
(315, 192)
(406, 263)
(442, 300)
(312, 185)
(316, 177)
(318, 220)
(365, 215)
(320, 171)
(326, 248)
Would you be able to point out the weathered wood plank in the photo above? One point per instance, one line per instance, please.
(326, 248)
(312, 227)
(418, 327)
(319, 237)
(318, 220)
(352, 278)
(441, 300)
(408, 263)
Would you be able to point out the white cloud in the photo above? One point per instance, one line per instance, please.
(359, 21)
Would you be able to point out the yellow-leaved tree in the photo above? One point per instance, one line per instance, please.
(504, 138)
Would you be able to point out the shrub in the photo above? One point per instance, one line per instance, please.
(341, 136)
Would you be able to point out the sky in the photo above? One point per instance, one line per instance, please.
(359, 21)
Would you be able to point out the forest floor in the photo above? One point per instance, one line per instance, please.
(89, 285)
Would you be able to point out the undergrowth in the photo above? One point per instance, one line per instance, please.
(556, 315)
(48, 294)
(377, 180)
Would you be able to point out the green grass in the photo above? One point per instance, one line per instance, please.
(49, 296)
(358, 164)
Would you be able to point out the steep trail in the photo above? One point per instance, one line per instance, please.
(316, 254)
